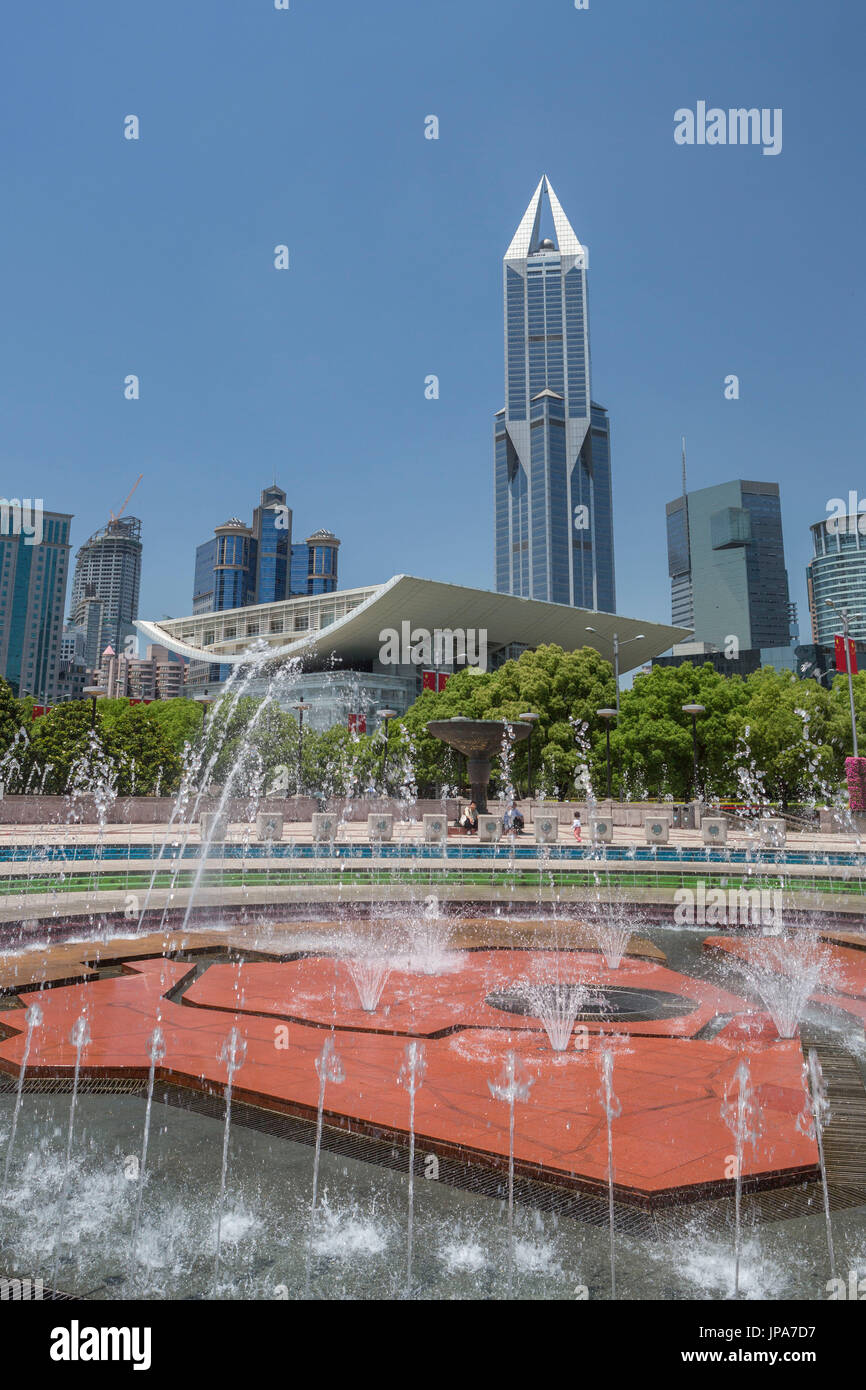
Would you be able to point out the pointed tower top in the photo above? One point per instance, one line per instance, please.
(526, 239)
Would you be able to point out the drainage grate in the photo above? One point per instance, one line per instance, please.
(62, 1086)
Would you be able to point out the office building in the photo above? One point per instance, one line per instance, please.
(726, 561)
(552, 465)
(105, 587)
(33, 573)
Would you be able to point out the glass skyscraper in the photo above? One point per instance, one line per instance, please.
(32, 597)
(726, 561)
(837, 571)
(552, 471)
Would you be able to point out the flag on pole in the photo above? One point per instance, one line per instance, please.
(842, 661)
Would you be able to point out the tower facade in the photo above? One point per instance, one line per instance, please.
(32, 595)
(105, 587)
(726, 560)
(552, 469)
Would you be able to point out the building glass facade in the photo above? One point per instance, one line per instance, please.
(32, 599)
(552, 463)
(837, 571)
(726, 561)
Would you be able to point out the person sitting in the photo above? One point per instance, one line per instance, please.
(468, 820)
(513, 820)
(517, 820)
(575, 826)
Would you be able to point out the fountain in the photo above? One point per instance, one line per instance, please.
(233, 1053)
(513, 1085)
(411, 1076)
(329, 1068)
(479, 740)
(741, 1115)
(612, 1111)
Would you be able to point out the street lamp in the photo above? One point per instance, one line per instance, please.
(694, 711)
(607, 715)
(846, 618)
(93, 693)
(530, 719)
(387, 715)
(616, 646)
(300, 707)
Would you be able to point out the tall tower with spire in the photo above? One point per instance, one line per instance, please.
(554, 513)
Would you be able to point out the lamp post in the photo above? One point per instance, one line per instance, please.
(93, 693)
(616, 646)
(530, 719)
(607, 715)
(694, 711)
(387, 715)
(301, 706)
(846, 619)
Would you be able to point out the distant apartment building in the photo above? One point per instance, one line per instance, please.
(105, 588)
(33, 574)
(159, 675)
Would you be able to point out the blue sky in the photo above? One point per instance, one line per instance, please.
(306, 127)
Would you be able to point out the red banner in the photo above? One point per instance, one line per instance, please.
(357, 723)
(841, 663)
(433, 680)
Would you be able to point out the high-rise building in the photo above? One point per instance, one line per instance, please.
(245, 565)
(837, 571)
(105, 587)
(314, 565)
(552, 470)
(726, 561)
(33, 573)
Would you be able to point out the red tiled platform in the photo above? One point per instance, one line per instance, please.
(319, 989)
(845, 976)
(670, 1141)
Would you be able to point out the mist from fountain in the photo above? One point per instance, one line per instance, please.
(156, 1051)
(34, 1019)
(79, 1037)
(612, 1110)
(813, 1122)
(411, 1075)
(330, 1069)
(741, 1114)
(784, 971)
(512, 1085)
(233, 1053)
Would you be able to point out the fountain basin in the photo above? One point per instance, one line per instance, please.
(479, 740)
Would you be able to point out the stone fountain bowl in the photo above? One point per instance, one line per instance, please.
(477, 738)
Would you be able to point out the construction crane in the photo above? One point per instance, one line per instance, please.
(111, 516)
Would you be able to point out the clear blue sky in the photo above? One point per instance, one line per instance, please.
(306, 127)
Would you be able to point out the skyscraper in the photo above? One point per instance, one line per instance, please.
(726, 560)
(837, 571)
(33, 574)
(244, 565)
(552, 473)
(105, 587)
